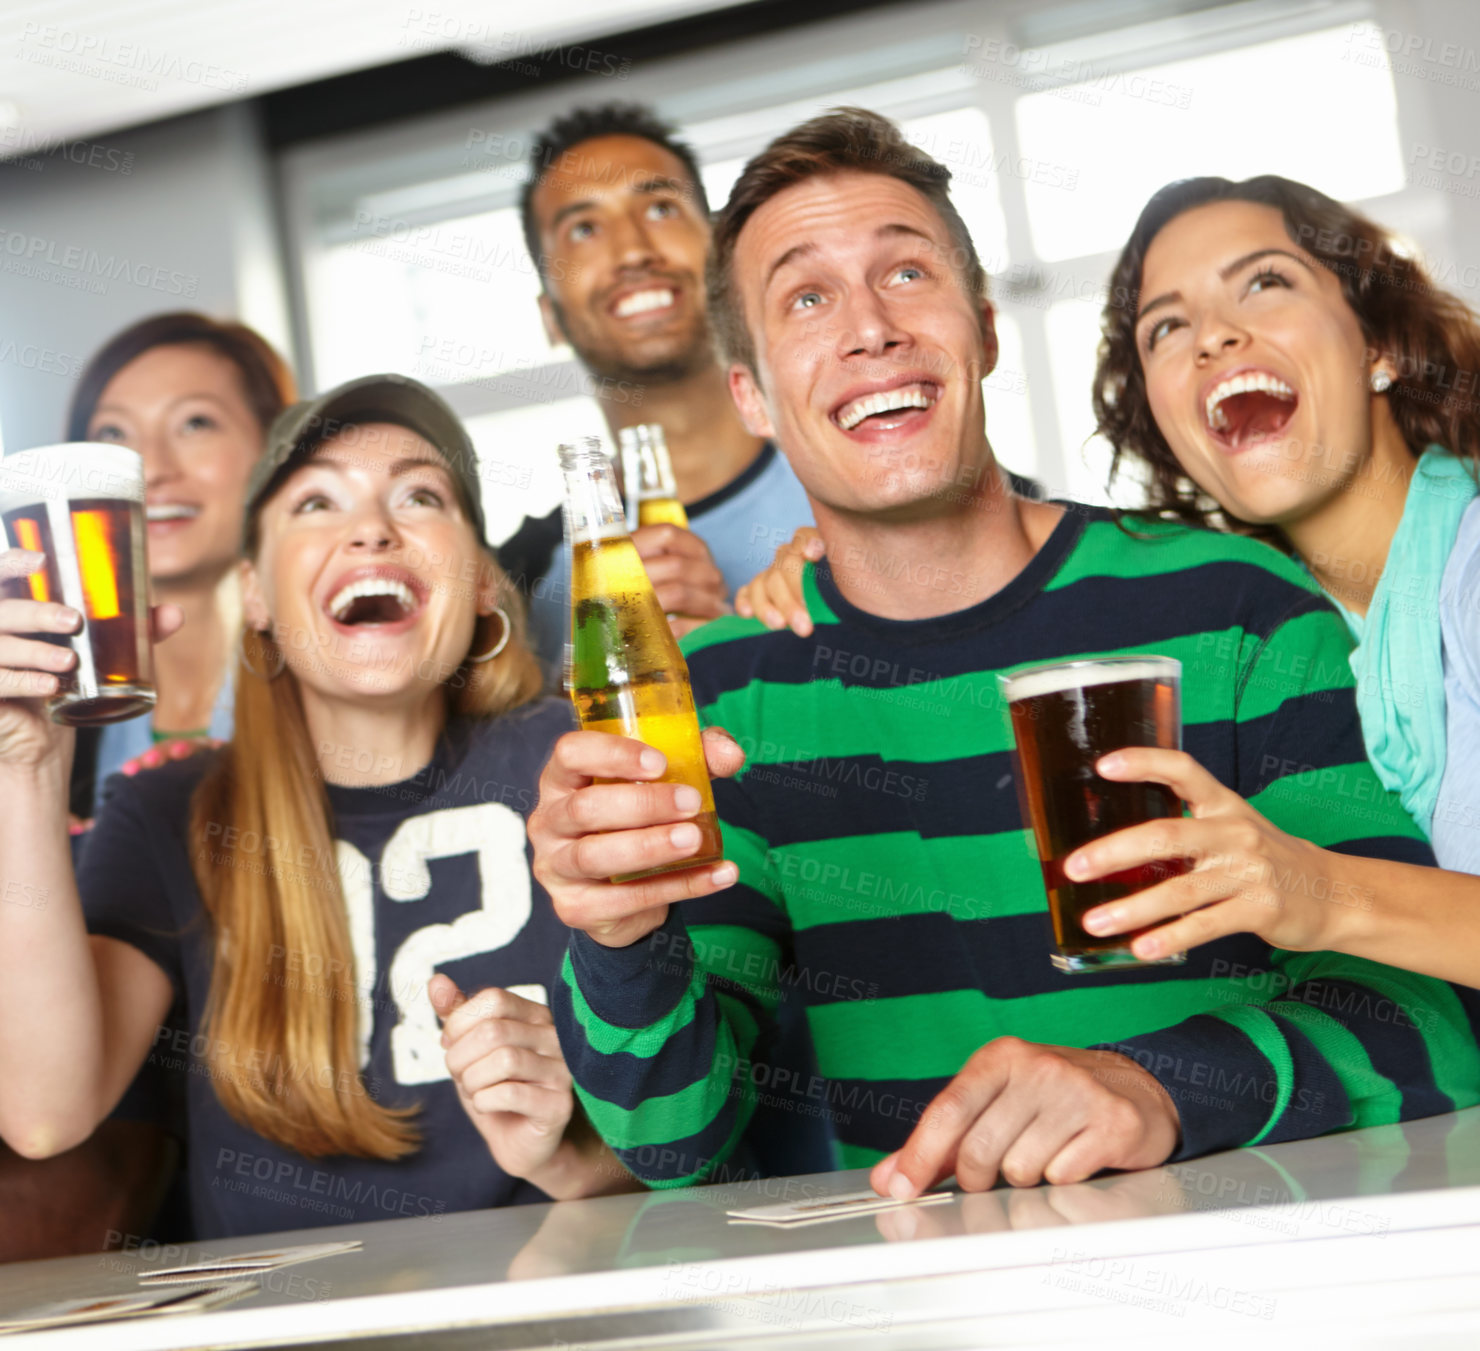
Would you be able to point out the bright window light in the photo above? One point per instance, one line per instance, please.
(1319, 108)
(517, 462)
(445, 303)
(1005, 396)
(962, 140)
(719, 178)
(1074, 338)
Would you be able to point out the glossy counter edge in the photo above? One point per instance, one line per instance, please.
(499, 1302)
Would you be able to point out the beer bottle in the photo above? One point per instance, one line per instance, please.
(647, 478)
(624, 671)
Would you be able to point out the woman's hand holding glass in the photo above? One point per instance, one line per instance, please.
(1245, 874)
(30, 668)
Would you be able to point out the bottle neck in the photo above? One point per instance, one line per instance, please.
(647, 475)
(593, 507)
(646, 467)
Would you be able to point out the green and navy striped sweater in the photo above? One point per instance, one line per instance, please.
(886, 874)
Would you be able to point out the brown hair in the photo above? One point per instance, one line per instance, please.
(1430, 336)
(840, 141)
(266, 380)
(273, 892)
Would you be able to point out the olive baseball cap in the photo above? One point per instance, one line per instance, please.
(403, 402)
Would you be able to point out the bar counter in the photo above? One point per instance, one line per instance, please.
(1367, 1239)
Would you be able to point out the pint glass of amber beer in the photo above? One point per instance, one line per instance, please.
(82, 505)
(1064, 718)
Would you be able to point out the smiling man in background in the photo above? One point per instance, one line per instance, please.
(616, 218)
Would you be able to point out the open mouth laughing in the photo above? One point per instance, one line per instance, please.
(1248, 406)
(385, 599)
(903, 405)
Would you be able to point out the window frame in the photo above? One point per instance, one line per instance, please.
(729, 101)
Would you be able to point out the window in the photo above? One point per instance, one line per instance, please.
(411, 258)
(518, 471)
(1005, 396)
(1073, 336)
(1115, 139)
(450, 303)
(962, 138)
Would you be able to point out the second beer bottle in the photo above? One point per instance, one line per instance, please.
(623, 667)
(647, 478)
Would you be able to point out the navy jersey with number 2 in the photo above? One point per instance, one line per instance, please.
(435, 876)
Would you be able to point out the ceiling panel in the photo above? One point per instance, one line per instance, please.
(81, 68)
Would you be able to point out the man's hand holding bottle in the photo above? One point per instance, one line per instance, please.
(604, 813)
(690, 587)
(627, 799)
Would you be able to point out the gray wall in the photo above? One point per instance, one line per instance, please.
(177, 215)
(1435, 51)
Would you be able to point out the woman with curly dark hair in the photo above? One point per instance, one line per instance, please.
(1277, 364)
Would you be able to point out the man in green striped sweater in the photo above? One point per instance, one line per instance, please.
(875, 855)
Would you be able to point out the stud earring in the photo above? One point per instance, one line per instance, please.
(1381, 382)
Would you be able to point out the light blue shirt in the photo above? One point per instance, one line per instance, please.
(1399, 657)
(1456, 832)
(122, 741)
(744, 523)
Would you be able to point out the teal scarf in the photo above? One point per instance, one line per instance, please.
(1399, 659)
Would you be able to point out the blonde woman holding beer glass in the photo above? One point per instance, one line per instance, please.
(319, 893)
(194, 396)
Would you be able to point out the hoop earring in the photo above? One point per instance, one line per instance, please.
(1381, 382)
(503, 641)
(241, 650)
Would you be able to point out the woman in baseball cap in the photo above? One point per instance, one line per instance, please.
(340, 897)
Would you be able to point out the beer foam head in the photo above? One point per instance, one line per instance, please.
(1074, 675)
(80, 469)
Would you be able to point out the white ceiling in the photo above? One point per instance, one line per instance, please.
(81, 68)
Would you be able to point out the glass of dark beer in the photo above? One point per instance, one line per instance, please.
(82, 505)
(1064, 718)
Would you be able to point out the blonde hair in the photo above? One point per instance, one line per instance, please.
(299, 1083)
